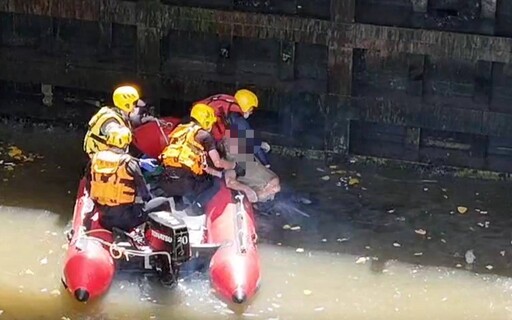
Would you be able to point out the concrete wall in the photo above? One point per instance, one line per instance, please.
(422, 80)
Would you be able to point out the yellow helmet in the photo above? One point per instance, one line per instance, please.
(246, 99)
(125, 97)
(120, 137)
(204, 115)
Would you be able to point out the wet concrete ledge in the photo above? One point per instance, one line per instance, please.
(429, 170)
(353, 88)
(154, 18)
(76, 124)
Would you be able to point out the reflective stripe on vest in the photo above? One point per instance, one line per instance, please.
(94, 140)
(183, 149)
(111, 184)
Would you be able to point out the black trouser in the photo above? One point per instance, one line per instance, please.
(182, 182)
(127, 217)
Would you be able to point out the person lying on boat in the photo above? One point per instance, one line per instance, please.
(232, 113)
(129, 112)
(256, 176)
(185, 161)
(117, 185)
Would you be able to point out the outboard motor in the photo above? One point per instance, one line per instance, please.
(167, 233)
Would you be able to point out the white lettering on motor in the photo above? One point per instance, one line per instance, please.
(160, 236)
(183, 240)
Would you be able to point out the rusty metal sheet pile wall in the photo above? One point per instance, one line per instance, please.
(338, 72)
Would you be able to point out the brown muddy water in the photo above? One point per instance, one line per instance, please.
(377, 245)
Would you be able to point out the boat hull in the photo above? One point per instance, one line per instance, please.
(234, 269)
(88, 267)
(235, 266)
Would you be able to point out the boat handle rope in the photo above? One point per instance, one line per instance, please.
(117, 252)
(239, 221)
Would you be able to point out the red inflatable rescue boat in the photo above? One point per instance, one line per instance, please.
(95, 254)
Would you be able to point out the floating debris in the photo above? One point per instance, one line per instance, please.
(342, 239)
(421, 232)
(307, 292)
(299, 250)
(462, 209)
(391, 211)
(319, 309)
(418, 254)
(353, 181)
(425, 189)
(287, 227)
(396, 244)
(324, 240)
(362, 260)
(489, 267)
(55, 292)
(296, 228)
(443, 241)
(483, 212)
(502, 253)
(458, 265)
(326, 178)
(14, 152)
(470, 257)
(320, 170)
(43, 261)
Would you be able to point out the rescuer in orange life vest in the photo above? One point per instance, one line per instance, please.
(129, 112)
(117, 185)
(232, 127)
(192, 163)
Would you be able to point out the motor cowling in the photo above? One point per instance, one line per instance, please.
(168, 233)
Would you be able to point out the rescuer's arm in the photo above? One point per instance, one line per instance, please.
(219, 162)
(213, 172)
(133, 168)
(208, 142)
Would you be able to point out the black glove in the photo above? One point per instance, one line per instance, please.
(239, 170)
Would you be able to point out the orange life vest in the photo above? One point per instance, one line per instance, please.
(111, 184)
(183, 149)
